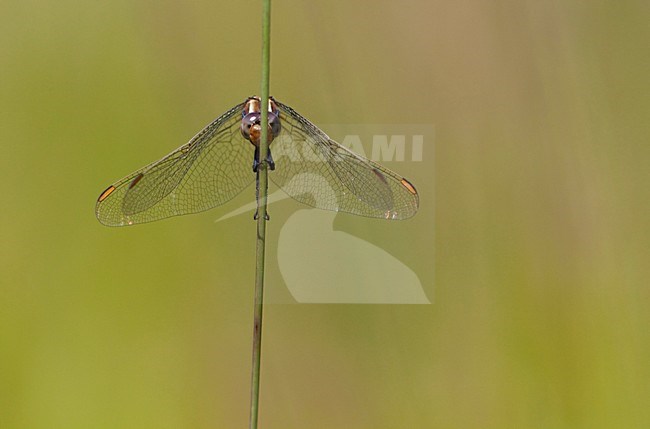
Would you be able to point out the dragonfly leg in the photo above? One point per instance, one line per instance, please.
(256, 161)
(257, 215)
(269, 160)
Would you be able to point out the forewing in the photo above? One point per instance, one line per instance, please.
(208, 171)
(317, 171)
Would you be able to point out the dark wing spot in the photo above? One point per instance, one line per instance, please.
(409, 186)
(106, 193)
(136, 180)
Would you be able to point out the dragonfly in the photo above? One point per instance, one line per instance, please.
(215, 166)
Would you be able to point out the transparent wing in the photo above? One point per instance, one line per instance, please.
(208, 171)
(317, 171)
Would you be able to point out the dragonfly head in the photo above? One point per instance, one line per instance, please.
(251, 127)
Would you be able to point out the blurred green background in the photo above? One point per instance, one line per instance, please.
(533, 217)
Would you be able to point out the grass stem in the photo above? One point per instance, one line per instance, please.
(261, 219)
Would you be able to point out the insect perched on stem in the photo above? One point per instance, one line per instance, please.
(215, 166)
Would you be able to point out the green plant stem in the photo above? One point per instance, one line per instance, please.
(261, 220)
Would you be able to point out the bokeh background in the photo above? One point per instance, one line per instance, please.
(532, 238)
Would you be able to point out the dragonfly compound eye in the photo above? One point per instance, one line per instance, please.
(247, 122)
(274, 122)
